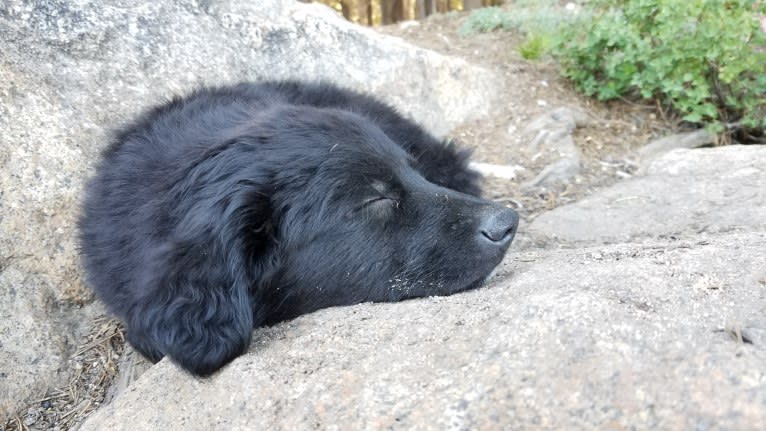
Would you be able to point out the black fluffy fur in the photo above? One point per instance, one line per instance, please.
(242, 206)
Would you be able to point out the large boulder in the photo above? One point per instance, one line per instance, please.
(70, 70)
(650, 336)
(683, 194)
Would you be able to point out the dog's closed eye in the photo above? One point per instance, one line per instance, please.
(380, 202)
(380, 198)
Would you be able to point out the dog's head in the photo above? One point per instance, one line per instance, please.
(345, 217)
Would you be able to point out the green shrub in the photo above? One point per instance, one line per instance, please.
(706, 59)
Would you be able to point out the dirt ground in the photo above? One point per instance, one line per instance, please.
(608, 146)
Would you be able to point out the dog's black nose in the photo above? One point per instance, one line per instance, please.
(499, 226)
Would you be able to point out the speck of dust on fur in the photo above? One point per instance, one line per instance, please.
(400, 285)
(407, 286)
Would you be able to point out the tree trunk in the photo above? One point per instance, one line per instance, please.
(420, 9)
(430, 6)
(345, 8)
(385, 11)
(471, 4)
(397, 11)
(368, 8)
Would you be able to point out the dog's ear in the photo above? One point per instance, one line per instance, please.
(446, 164)
(201, 312)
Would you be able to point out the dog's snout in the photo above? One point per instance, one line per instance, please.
(499, 226)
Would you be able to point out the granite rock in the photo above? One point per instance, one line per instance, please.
(653, 335)
(683, 194)
(666, 144)
(550, 135)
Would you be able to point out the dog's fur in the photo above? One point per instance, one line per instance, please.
(242, 206)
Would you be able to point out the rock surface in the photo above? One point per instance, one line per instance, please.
(656, 333)
(627, 335)
(71, 70)
(677, 141)
(684, 193)
(37, 334)
(551, 135)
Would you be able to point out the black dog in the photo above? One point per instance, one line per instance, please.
(243, 206)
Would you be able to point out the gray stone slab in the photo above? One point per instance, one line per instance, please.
(683, 194)
(647, 336)
(669, 143)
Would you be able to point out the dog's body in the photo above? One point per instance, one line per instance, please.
(243, 206)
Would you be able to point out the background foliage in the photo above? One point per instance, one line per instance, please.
(703, 59)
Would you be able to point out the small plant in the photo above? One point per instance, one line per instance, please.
(705, 59)
(539, 20)
(535, 46)
(485, 20)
